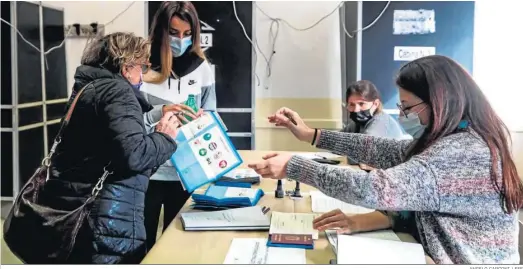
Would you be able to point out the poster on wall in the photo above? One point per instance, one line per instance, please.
(407, 54)
(417, 22)
(409, 30)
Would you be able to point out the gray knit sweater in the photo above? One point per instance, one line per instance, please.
(458, 211)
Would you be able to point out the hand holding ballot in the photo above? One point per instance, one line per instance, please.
(168, 124)
(273, 165)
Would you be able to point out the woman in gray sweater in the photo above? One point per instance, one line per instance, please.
(458, 177)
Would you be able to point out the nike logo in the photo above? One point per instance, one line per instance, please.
(191, 82)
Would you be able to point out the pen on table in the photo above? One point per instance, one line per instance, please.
(265, 210)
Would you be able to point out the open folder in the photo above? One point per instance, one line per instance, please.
(247, 218)
(205, 153)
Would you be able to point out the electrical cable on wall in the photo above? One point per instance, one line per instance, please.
(274, 37)
(65, 37)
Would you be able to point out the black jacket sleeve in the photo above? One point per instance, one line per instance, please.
(132, 148)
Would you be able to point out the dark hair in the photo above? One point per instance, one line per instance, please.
(454, 96)
(114, 50)
(366, 89)
(159, 34)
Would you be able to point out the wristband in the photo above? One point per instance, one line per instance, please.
(314, 137)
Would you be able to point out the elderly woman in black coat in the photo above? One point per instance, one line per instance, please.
(107, 131)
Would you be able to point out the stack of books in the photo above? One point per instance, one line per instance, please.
(223, 197)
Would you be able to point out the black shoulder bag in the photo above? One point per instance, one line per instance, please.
(38, 234)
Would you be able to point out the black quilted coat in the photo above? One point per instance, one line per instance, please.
(107, 127)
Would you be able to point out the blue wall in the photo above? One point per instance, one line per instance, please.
(453, 37)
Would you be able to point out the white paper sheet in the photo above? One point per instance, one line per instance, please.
(255, 251)
(242, 173)
(247, 216)
(364, 250)
(293, 223)
(322, 203)
(240, 192)
(332, 236)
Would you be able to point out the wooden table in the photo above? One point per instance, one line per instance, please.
(177, 246)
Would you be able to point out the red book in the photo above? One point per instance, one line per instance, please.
(291, 239)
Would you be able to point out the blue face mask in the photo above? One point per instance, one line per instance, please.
(179, 46)
(139, 84)
(412, 125)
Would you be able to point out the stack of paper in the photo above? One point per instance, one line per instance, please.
(255, 251)
(322, 203)
(332, 236)
(248, 218)
(221, 197)
(293, 223)
(364, 250)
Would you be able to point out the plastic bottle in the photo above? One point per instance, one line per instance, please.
(191, 102)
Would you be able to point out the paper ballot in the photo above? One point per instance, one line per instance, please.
(293, 223)
(240, 192)
(255, 251)
(364, 250)
(332, 236)
(322, 203)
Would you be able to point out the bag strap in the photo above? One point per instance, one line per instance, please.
(65, 121)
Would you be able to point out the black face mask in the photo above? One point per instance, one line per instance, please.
(361, 117)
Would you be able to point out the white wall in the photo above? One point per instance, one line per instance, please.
(307, 63)
(86, 12)
(498, 58)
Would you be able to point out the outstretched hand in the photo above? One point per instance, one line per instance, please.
(289, 119)
(273, 165)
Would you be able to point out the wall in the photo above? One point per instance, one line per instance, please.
(305, 70)
(303, 73)
(497, 60)
(86, 12)
(306, 64)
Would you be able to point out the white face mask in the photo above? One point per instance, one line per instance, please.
(412, 125)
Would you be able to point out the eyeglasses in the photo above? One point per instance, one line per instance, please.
(404, 110)
(145, 67)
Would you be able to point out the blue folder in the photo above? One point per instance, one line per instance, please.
(205, 153)
(215, 196)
